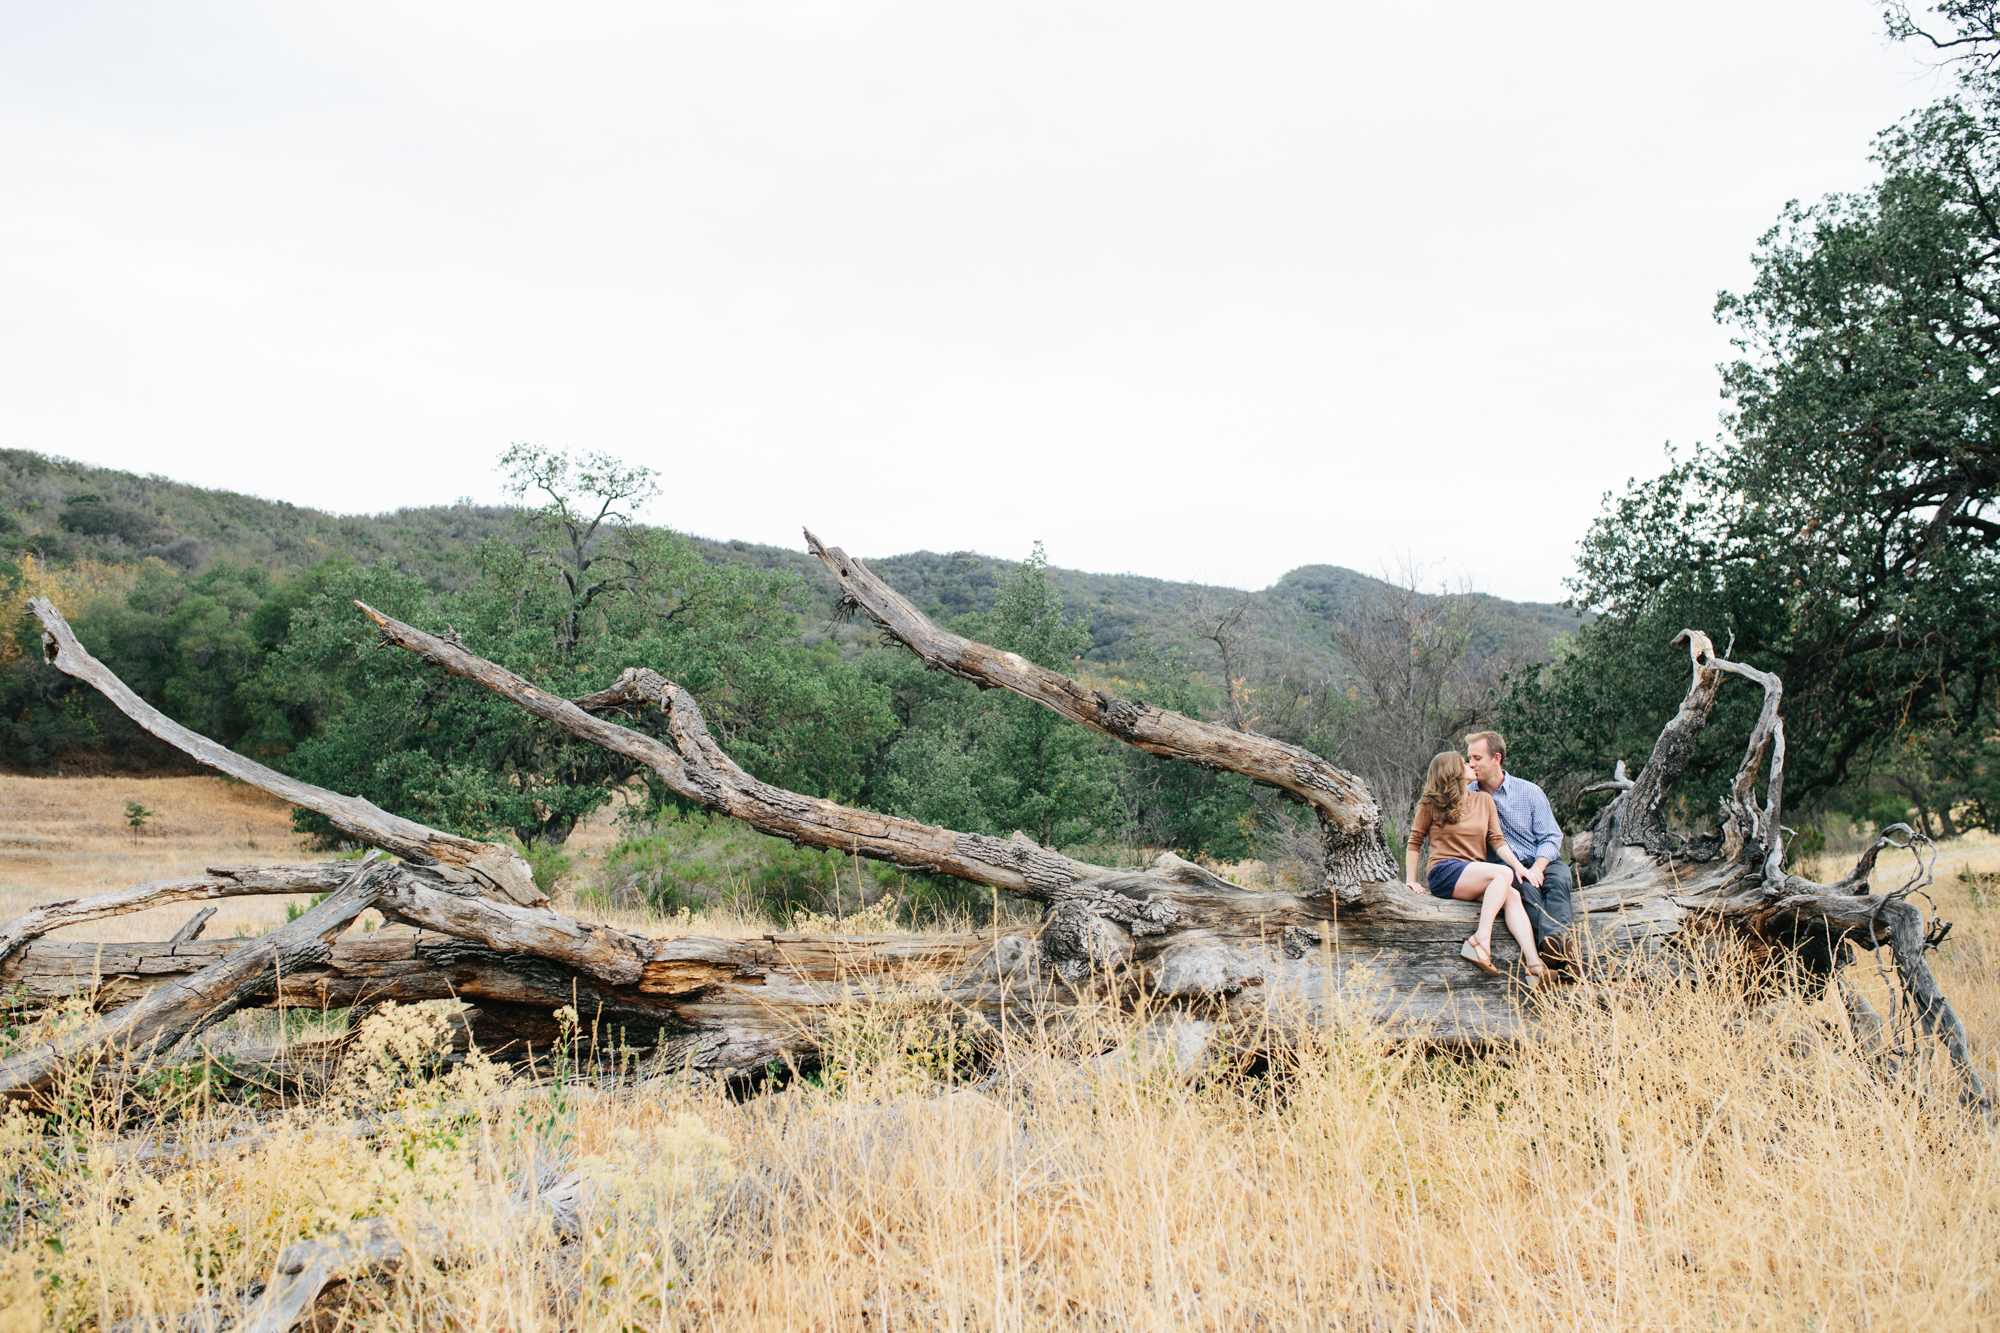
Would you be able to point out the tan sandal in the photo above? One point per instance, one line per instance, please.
(1480, 958)
(1537, 974)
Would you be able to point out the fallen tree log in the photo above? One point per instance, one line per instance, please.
(229, 882)
(1173, 931)
(155, 1023)
(716, 1005)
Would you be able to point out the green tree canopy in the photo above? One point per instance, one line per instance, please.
(568, 603)
(1844, 529)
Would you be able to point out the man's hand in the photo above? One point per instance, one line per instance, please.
(1533, 874)
(1418, 888)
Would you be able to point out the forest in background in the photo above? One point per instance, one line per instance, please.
(1842, 531)
(234, 616)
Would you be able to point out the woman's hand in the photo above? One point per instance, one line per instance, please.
(1418, 888)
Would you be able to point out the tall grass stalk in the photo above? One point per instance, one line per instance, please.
(1674, 1155)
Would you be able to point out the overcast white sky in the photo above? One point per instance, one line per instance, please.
(1196, 291)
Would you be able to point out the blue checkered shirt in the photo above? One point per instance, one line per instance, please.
(1526, 818)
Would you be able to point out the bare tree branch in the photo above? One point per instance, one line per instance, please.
(494, 867)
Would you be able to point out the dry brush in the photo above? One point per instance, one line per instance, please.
(472, 927)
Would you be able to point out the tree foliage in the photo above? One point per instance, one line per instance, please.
(1844, 529)
(581, 595)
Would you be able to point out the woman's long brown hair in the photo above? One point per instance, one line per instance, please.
(1444, 787)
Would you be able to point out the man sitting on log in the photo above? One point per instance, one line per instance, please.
(1529, 824)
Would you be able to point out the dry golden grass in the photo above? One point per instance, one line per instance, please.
(1669, 1157)
(1651, 1166)
(67, 837)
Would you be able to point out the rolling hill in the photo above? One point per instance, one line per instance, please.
(63, 511)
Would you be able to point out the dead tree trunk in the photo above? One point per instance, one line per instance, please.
(1172, 931)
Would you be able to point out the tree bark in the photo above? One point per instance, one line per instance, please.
(224, 883)
(718, 1005)
(152, 1025)
(494, 868)
(1360, 942)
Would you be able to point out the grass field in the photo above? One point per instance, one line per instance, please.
(66, 837)
(1671, 1156)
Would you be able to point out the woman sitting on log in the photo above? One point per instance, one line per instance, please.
(1462, 825)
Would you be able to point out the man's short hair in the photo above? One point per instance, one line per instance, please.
(1496, 744)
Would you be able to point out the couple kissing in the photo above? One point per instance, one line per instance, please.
(1495, 841)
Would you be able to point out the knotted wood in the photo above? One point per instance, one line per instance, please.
(1361, 943)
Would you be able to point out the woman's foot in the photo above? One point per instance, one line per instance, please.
(1538, 972)
(1481, 957)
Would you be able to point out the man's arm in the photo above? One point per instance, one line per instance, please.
(1497, 845)
(1548, 834)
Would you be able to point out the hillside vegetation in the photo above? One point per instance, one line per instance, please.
(60, 512)
(234, 615)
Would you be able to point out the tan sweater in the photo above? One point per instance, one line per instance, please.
(1477, 829)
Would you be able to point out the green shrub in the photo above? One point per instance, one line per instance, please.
(548, 862)
(680, 861)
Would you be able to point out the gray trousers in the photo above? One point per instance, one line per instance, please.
(1549, 908)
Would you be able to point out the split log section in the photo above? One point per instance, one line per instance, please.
(468, 923)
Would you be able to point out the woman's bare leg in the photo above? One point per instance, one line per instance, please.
(1521, 928)
(1490, 884)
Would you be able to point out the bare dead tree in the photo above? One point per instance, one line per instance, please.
(1225, 620)
(1171, 933)
(1405, 652)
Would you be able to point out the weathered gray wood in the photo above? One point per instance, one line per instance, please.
(416, 895)
(192, 929)
(373, 1245)
(495, 868)
(1635, 817)
(1351, 823)
(737, 1004)
(1747, 826)
(163, 1017)
(305, 1268)
(1118, 906)
(696, 768)
(729, 1004)
(594, 950)
(224, 883)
